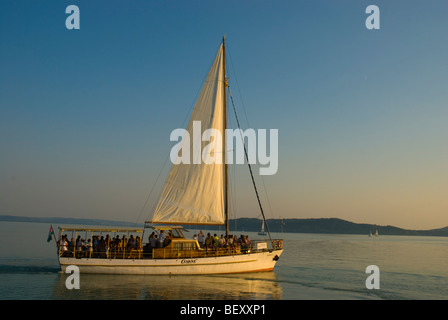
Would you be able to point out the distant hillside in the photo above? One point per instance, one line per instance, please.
(328, 225)
(324, 225)
(339, 226)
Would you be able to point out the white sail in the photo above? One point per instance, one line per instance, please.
(194, 193)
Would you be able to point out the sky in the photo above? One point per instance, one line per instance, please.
(86, 115)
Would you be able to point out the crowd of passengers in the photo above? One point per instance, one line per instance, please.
(223, 242)
(205, 242)
(100, 247)
(106, 247)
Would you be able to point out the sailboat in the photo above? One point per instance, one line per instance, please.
(194, 194)
(262, 232)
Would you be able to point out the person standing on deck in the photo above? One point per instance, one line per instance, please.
(161, 238)
(201, 238)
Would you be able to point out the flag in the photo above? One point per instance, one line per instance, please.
(50, 234)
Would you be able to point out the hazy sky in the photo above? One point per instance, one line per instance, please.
(85, 115)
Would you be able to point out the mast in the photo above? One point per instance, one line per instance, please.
(226, 169)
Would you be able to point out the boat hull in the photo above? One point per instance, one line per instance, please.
(251, 262)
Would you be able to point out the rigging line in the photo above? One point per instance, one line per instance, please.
(237, 84)
(250, 169)
(166, 160)
(267, 198)
(231, 183)
(152, 189)
(247, 119)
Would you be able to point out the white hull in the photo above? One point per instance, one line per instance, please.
(252, 262)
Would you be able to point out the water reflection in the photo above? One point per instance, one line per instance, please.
(253, 286)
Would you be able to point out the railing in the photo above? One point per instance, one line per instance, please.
(102, 254)
(170, 253)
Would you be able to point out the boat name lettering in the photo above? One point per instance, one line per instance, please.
(184, 261)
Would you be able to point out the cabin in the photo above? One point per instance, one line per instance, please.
(176, 246)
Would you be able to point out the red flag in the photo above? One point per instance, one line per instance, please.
(50, 234)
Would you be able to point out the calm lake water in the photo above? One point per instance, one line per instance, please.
(313, 266)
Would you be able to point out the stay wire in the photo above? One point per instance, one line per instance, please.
(250, 169)
(247, 120)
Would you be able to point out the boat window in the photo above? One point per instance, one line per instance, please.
(177, 234)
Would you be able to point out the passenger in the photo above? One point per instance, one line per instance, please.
(96, 245)
(248, 243)
(64, 246)
(120, 245)
(222, 242)
(88, 248)
(124, 243)
(98, 251)
(230, 241)
(235, 241)
(102, 247)
(162, 238)
(166, 241)
(208, 241)
(138, 243)
(71, 245)
(83, 247)
(195, 237)
(79, 247)
(153, 241)
(105, 246)
(138, 246)
(241, 240)
(112, 246)
(107, 242)
(131, 243)
(201, 238)
(242, 243)
(215, 241)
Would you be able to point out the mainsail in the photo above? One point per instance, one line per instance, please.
(194, 193)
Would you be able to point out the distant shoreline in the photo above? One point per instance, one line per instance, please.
(322, 225)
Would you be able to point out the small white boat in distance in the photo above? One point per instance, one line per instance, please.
(262, 232)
